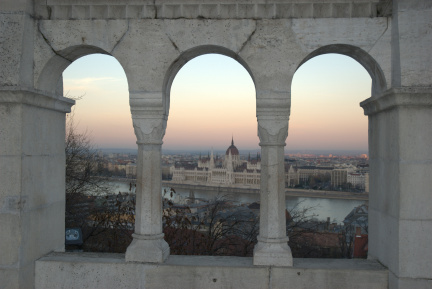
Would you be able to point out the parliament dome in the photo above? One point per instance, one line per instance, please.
(233, 149)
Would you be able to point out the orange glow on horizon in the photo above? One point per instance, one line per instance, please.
(213, 99)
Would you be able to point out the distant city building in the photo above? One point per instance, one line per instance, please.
(229, 170)
(131, 170)
(357, 179)
(338, 177)
(292, 177)
(305, 172)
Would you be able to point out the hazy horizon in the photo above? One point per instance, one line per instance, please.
(213, 99)
(242, 152)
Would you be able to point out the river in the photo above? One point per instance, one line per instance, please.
(335, 209)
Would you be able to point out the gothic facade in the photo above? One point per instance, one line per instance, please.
(229, 170)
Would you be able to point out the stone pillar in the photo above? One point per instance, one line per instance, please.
(148, 243)
(400, 218)
(272, 248)
(32, 182)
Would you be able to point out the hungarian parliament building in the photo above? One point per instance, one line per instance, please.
(230, 170)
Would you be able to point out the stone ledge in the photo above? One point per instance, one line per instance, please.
(228, 9)
(35, 98)
(93, 270)
(398, 97)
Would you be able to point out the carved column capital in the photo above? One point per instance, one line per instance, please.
(149, 130)
(149, 119)
(272, 132)
(273, 110)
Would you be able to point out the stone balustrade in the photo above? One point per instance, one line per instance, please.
(230, 9)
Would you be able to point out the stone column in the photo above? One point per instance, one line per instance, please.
(272, 248)
(148, 243)
(32, 182)
(400, 219)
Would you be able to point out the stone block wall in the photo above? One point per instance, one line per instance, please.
(66, 271)
(32, 200)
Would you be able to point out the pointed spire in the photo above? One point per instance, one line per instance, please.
(212, 163)
(232, 140)
(229, 163)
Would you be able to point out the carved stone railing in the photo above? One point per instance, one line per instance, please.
(228, 9)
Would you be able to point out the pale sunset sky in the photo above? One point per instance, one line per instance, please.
(213, 99)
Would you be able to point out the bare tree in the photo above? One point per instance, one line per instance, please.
(219, 228)
(305, 232)
(83, 185)
(346, 242)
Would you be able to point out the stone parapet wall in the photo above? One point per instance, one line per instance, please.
(229, 9)
(91, 270)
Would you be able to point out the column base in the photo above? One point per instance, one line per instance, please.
(147, 248)
(273, 252)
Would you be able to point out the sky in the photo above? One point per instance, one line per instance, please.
(213, 100)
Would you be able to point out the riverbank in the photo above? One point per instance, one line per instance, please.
(254, 190)
(289, 192)
(321, 204)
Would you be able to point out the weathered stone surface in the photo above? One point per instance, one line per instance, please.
(152, 40)
(11, 32)
(16, 6)
(321, 273)
(402, 283)
(31, 211)
(42, 226)
(314, 33)
(414, 237)
(174, 9)
(11, 241)
(272, 248)
(230, 34)
(10, 124)
(272, 74)
(147, 248)
(411, 44)
(59, 49)
(400, 226)
(79, 271)
(148, 243)
(156, 53)
(10, 178)
(9, 278)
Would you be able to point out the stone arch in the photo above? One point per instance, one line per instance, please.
(379, 83)
(189, 55)
(50, 78)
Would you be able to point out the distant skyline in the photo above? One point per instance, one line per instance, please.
(213, 99)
